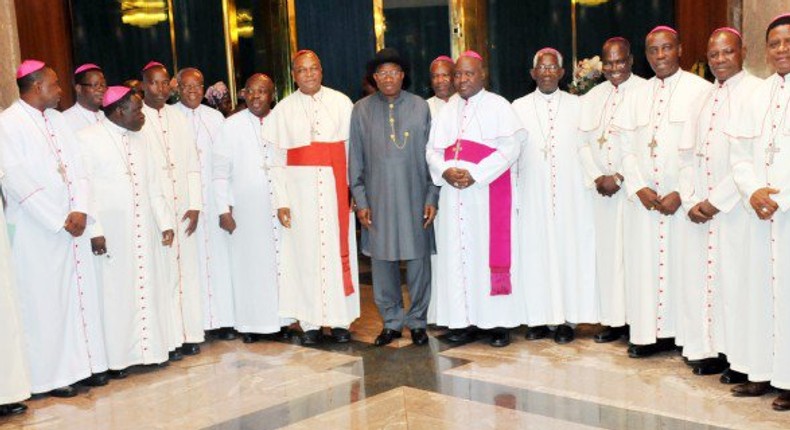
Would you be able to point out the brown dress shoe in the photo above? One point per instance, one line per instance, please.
(751, 389)
(782, 403)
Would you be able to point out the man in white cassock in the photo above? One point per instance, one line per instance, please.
(650, 124)
(442, 84)
(176, 155)
(89, 87)
(133, 223)
(557, 234)
(14, 380)
(242, 161)
(760, 156)
(474, 142)
(600, 155)
(49, 205)
(319, 283)
(714, 277)
(213, 242)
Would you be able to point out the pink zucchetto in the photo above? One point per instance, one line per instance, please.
(728, 30)
(152, 64)
(663, 28)
(471, 54)
(85, 67)
(442, 58)
(113, 94)
(29, 66)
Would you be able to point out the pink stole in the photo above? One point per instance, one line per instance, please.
(499, 205)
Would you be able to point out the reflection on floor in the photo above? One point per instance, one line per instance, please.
(535, 385)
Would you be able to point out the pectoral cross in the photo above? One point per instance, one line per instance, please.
(601, 141)
(62, 173)
(770, 151)
(652, 145)
(700, 155)
(457, 149)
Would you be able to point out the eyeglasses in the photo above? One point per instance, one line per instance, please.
(95, 87)
(388, 73)
(547, 67)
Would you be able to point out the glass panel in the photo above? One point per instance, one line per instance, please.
(420, 31)
(200, 39)
(516, 30)
(121, 36)
(629, 19)
(341, 33)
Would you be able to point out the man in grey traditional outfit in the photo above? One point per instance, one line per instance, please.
(396, 201)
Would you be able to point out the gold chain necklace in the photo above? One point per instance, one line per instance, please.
(393, 138)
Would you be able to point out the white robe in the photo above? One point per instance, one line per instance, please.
(603, 157)
(556, 231)
(56, 283)
(213, 242)
(242, 161)
(176, 155)
(14, 379)
(763, 118)
(78, 117)
(463, 294)
(435, 104)
(132, 212)
(311, 276)
(657, 109)
(714, 276)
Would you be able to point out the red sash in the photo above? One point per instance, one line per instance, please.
(499, 207)
(331, 154)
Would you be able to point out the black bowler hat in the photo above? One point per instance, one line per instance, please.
(389, 55)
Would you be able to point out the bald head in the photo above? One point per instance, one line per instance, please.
(259, 93)
(616, 60)
(469, 76)
(190, 87)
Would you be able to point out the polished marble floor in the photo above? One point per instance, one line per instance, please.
(528, 385)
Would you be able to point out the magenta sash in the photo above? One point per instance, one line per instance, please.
(499, 206)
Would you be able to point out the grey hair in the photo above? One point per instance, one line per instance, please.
(183, 71)
(547, 51)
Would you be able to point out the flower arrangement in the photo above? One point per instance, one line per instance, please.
(586, 74)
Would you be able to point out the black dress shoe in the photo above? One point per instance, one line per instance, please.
(537, 332)
(340, 335)
(225, 333)
(564, 334)
(642, 351)
(285, 333)
(190, 349)
(96, 380)
(387, 336)
(118, 374)
(710, 366)
(12, 409)
(64, 392)
(500, 337)
(419, 336)
(609, 334)
(782, 403)
(175, 355)
(250, 337)
(460, 335)
(310, 337)
(751, 389)
(732, 377)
